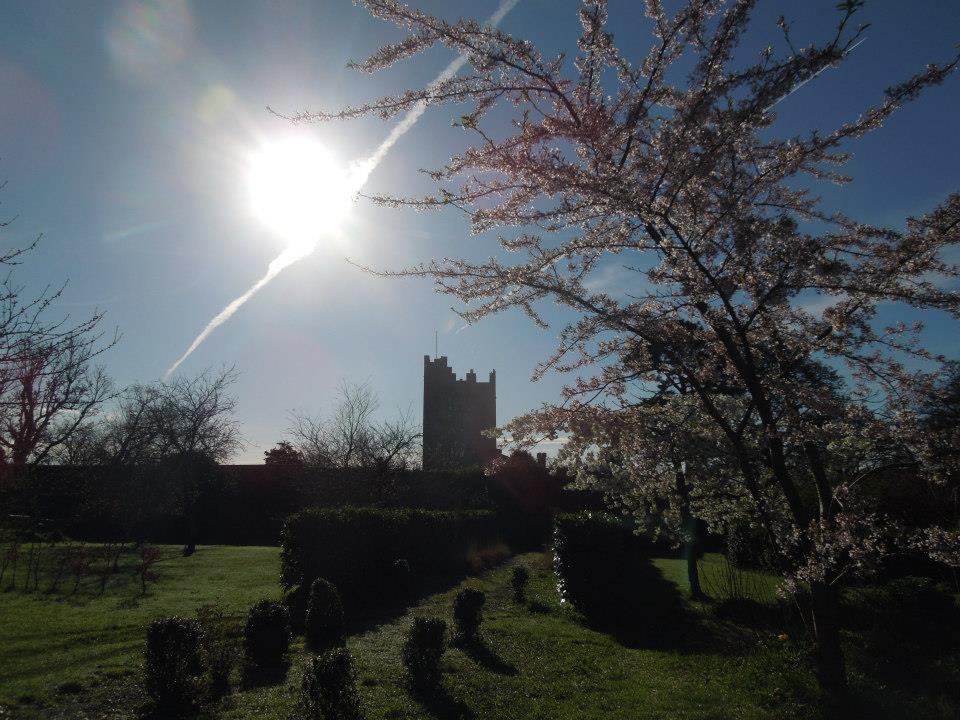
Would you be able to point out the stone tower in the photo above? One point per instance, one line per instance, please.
(455, 413)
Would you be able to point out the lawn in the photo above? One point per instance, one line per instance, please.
(51, 640)
(80, 657)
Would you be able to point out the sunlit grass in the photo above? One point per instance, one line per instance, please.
(539, 659)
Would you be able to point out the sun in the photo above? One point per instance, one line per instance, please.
(298, 190)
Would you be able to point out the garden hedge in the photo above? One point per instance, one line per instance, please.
(357, 548)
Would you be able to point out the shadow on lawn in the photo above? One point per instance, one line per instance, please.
(485, 656)
(256, 677)
(360, 620)
(647, 612)
(442, 705)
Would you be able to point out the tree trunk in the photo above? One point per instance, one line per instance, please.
(830, 666)
(693, 574)
(689, 529)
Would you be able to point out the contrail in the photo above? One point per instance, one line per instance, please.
(359, 173)
(816, 74)
(283, 260)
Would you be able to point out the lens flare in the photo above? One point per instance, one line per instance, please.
(298, 190)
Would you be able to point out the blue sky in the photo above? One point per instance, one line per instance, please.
(124, 128)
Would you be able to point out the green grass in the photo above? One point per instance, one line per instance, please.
(538, 661)
(50, 639)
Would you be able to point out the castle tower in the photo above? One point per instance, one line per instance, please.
(455, 414)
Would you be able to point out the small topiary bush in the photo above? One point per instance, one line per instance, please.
(295, 599)
(422, 652)
(329, 690)
(174, 664)
(468, 614)
(219, 644)
(324, 623)
(266, 635)
(519, 580)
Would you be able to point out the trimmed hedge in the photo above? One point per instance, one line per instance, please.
(266, 635)
(324, 622)
(468, 615)
(357, 548)
(329, 688)
(604, 570)
(174, 664)
(421, 653)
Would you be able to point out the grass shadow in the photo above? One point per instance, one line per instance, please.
(254, 676)
(485, 656)
(362, 620)
(442, 705)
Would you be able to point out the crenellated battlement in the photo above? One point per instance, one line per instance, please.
(455, 414)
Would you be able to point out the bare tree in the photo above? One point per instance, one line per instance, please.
(351, 437)
(195, 416)
(48, 385)
(50, 389)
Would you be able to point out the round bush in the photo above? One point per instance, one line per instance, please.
(422, 652)
(329, 690)
(518, 581)
(324, 622)
(267, 634)
(219, 644)
(174, 664)
(295, 599)
(468, 614)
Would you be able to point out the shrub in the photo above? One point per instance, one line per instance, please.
(748, 547)
(174, 664)
(468, 614)
(355, 548)
(422, 652)
(295, 599)
(910, 609)
(911, 634)
(604, 570)
(267, 634)
(329, 690)
(324, 621)
(219, 644)
(519, 580)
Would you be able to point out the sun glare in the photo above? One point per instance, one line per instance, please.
(298, 190)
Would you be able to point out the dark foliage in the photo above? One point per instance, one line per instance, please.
(266, 634)
(910, 631)
(329, 690)
(247, 504)
(749, 548)
(355, 548)
(518, 581)
(422, 652)
(324, 620)
(604, 570)
(468, 614)
(219, 644)
(402, 581)
(174, 663)
(295, 599)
